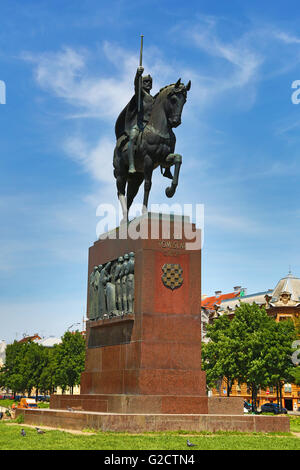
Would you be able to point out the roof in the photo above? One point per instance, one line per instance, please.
(285, 294)
(209, 302)
(289, 284)
(26, 339)
(49, 342)
(258, 298)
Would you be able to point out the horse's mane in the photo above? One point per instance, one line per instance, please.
(163, 90)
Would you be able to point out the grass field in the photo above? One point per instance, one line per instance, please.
(295, 423)
(11, 439)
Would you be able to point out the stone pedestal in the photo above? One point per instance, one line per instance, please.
(156, 351)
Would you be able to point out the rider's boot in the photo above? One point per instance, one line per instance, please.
(131, 157)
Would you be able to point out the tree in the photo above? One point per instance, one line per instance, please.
(278, 354)
(218, 354)
(30, 365)
(47, 379)
(251, 348)
(264, 353)
(12, 376)
(70, 357)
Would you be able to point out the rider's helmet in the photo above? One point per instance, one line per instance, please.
(147, 82)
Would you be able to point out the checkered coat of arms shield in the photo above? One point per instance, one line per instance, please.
(172, 275)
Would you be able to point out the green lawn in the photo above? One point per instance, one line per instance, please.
(295, 423)
(11, 439)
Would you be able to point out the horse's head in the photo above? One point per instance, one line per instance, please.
(176, 98)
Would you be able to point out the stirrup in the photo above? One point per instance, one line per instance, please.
(168, 174)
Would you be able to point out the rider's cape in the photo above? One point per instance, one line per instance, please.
(127, 118)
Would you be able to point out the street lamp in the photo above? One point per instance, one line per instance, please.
(74, 324)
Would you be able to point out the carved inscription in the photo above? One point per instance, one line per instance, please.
(173, 244)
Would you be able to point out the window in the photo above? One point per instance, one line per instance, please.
(285, 318)
(287, 388)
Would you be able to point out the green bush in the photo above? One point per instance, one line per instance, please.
(19, 419)
(7, 403)
(43, 405)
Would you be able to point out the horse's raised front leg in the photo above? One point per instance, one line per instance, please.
(177, 160)
(148, 170)
(123, 203)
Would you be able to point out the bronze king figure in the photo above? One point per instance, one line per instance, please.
(145, 139)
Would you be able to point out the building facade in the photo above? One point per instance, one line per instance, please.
(281, 303)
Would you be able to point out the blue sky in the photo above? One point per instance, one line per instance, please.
(69, 68)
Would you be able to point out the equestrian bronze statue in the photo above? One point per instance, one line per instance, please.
(145, 139)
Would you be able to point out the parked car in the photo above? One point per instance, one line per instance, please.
(273, 408)
(27, 403)
(43, 398)
(247, 406)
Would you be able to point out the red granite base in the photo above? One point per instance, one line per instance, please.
(162, 404)
(136, 423)
(131, 403)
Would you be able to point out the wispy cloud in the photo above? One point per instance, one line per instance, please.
(65, 74)
(234, 64)
(245, 61)
(95, 159)
(286, 37)
(225, 65)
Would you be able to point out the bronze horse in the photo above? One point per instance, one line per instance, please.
(155, 147)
